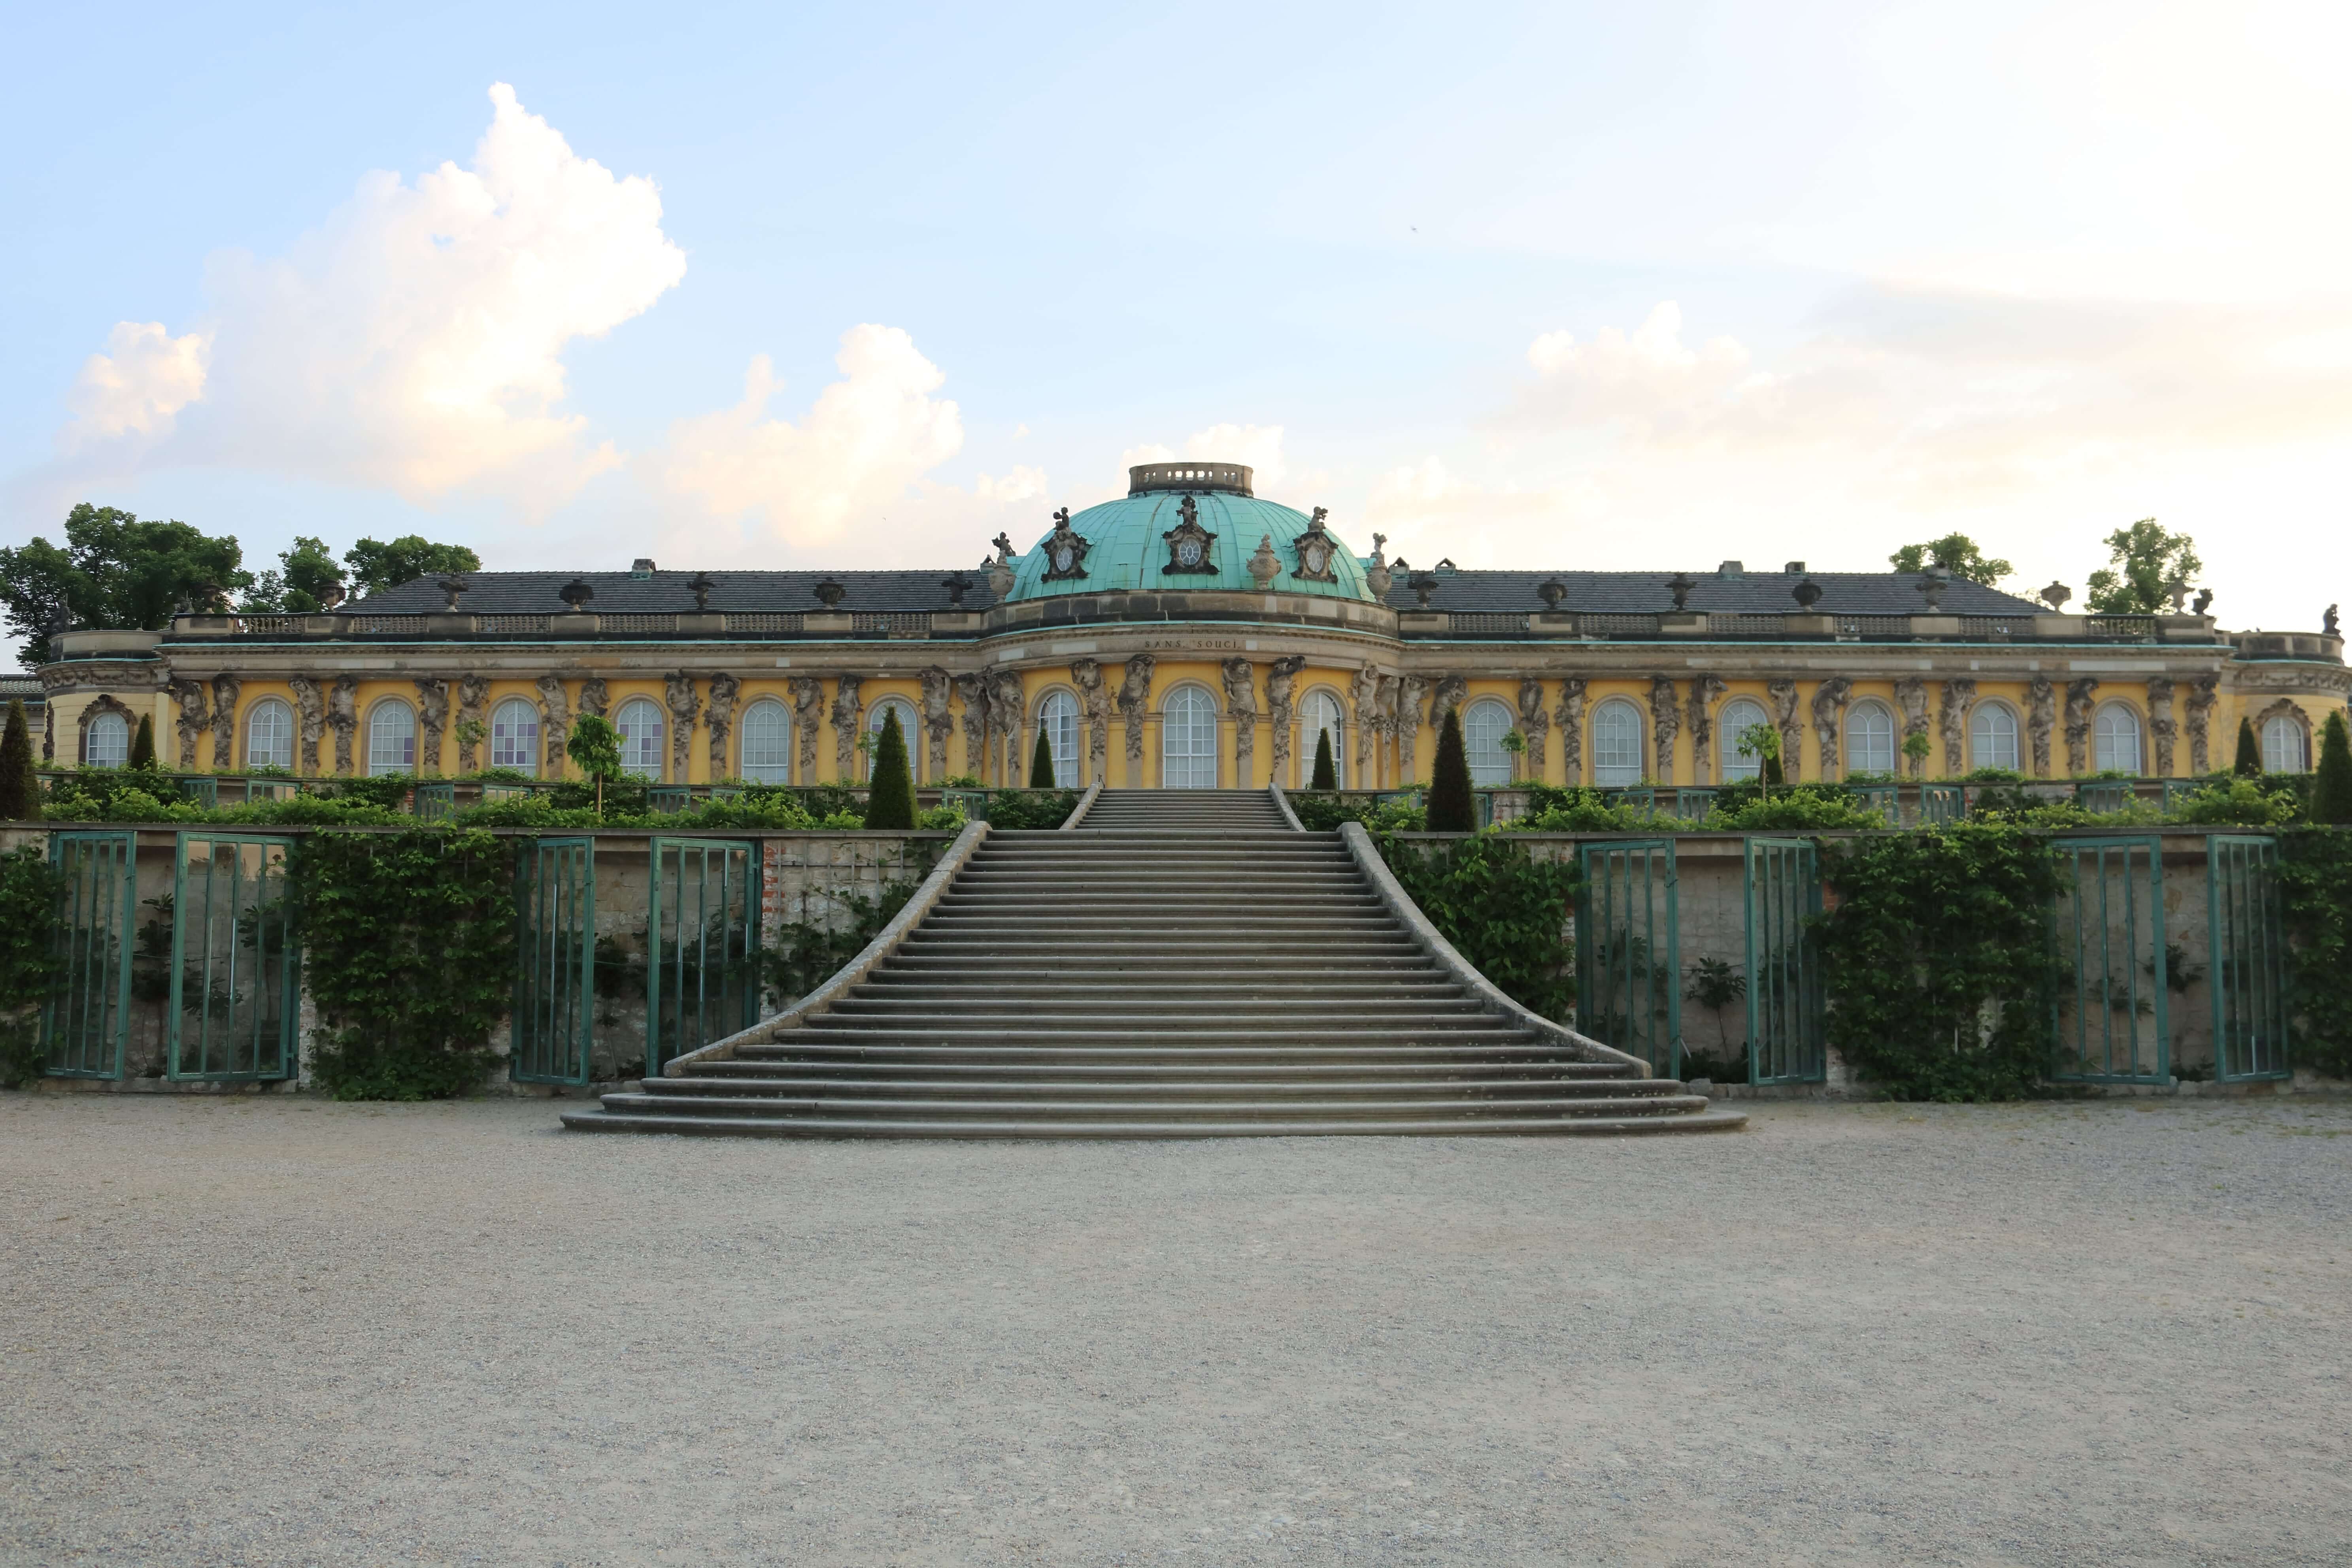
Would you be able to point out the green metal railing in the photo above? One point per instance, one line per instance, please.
(199, 790)
(237, 963)
(1787, 1037)
(702, 945)
(260, 790)
(669, 800)
(2176, 791)
(433, 801)
(1641, 797)
(86, 1023)
(496, 792)
(1692, 805)
(1942, 802)
(974, 801)
(1629, 951)
(2245, 912)
(2112, 1016)
(555, 962)
(1884, 799)
(2104, 794)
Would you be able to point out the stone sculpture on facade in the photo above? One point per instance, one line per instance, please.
(473, 691)
(1911, 696)
(1240, 706)
(1705, 691)
(1830, 699)
(311, 715)
(593, 697)
(1535, 724)
(680, 697)
(2041, 717)
(1388, 711)
(1571, 715)
(2203, 693)
(720, 718)
(1783, 694)
(1093, 701)
(2162, 727)
(1450, 692)
(1363, 695)
(1666, 724)
(807, 694)
(2079, 698)
(555, 722)
(343, 715)
(194, 716)
(1282, 710)
(1410, 701)
(939, 721)
(1134, 702)
(432, 720)
(1952, 718)
(1006, 709)
(848, 712)
(226, 690)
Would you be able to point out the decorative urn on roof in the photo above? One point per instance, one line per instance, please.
(1265, 566)
(702, 582)
(1377, 576)
(1680, 587)
(1807, 593)
(576, 595)
(1551, 593)
(451, 587)
(829, 592)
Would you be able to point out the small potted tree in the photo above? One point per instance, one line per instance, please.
(594, 747)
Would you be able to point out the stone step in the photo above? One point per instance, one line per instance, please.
(1261, 1035)
(1078, 1002)
(1109, 967)
(852, 1044)
(928, 1086)
(1034, 1109)
(1132, 1126)
(1210, 1075)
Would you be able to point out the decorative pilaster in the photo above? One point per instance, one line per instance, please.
(1666, 724)
(1911, 696)
(1535, 725)
(1282, 710)
(433, 719)
(1412, 697)
(720, 719)
(311, 710)
(593, 697)
(2040, 719)
(2162, 727)
(555, 722)
(473, 692)
(1960, 696)
(807, 694)
(2079, 696)
(1134, 702)
(2203, 693)
(226, 690)
(1783, 693)
(849, 712)
(1705, 691)
(188, 694)
(1830, 699)
(343, 715)
(1241, 704)
(1363, 694)
(1570, 714)
(939, 722)
(1006, 711)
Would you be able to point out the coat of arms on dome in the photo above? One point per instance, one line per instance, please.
(1189, 545)
(1316, 549)
(1065, 550)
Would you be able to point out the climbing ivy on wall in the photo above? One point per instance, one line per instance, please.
(2316, 877)
(1941, 976)
(1501, 908)
(409, 951)
(28, 910)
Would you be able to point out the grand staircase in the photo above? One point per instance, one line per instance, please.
(1181, 964)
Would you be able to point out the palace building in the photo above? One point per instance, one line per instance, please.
(1193, 635)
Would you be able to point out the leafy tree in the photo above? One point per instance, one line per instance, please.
(375, 567)
(20, 786)
(1450, 807)
(890, 803)
(306, 581)
(594, 746)
(2146, 562)
(114, 570)
(1956, 553)
(142, 745)
(1327, 771)
(2331, 792)
(1762, 741)
(1041, 761)
(2249, 764)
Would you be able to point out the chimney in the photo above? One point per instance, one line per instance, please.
(643, 566)
(1730, 570)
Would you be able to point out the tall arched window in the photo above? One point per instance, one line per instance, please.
(640, 724)
(879, 715)
(767, 731)
(2282, 750)
(107, 742)
(391, 738)
(1188, 739)
(1992, 737)
(1616, 742)
(514, 735)
(2116, 740)
(1057, 716)
(270, 735)
(1870, 739)
(1484, 724)
(1320, 715)
(1738, 715)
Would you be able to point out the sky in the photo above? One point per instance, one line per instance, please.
(1556, 286)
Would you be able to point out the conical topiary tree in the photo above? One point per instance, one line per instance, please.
(20, 786)
(1451, 809)
(142, 745)
(1041, 763)
(2250, 755)
(1326, 770)
(2331, 792)
(890, 803)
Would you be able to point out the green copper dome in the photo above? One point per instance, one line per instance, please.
(1146, 543)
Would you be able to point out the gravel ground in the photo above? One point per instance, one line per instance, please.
(282, 1331)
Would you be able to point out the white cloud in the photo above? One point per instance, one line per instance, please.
(414, 342)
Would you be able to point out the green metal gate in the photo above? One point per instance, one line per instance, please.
(86, 1023)
(237, 965)
(702, 945)
(555, 962)
(2243, 901)
(2112, 1018)
(1787, 1040)
(1629, 952)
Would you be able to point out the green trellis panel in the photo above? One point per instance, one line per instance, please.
(433, 801)
(86, 1023)
(1629, 951)
(555, 962)
(1787, 1037)
(236, 964)
(1693, 805)
(702, 945)
(1884, 799)
(2106, 794)
(1942, 802)
(2112, 1015)
(2243, 902)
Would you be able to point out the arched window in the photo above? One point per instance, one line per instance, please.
(1738, 715)
(1188, 739)
(514, 735)
(1057, 716)
(1992, 737)
(270, 735)
(391, 738)
(1616, 742)
(108, 743)
(2282, 745)
(2115, 738)
(1320, 715)
(879, 715)
(1870, 739)
(768, 742)
(640, 724)
(1484, 724)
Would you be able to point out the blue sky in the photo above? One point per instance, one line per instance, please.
(1554, 286)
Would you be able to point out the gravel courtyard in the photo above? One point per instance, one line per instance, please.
(283, 1330)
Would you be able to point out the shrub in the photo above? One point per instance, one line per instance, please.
(1326, 770)
(2331, 792)
(20, 786)
(1501, 908)
(1576, 809)
(2250, 755)
(142, 745)
(1018, 809)
(2315, 874)
(1041, 761)
(890, 802)
(2238, 803)
(1450, 807)
(29, 914)
(1324, 813)
(806, 953)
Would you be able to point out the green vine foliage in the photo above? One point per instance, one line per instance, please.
(1576, 809)
(1031, 808)
(28, 963)
(1941, 977)
(2316, 877)
(1501, 908)
(1755, 806)
(409, 953)
(806, 953)
(1324, 813)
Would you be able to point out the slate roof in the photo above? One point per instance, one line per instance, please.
(1753, 592)
(666, 593)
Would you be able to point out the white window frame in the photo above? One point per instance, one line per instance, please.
(391, 746)
(2105, 755)
(530, 749)
(2284, 751)
(1992, 727)
(1858, 736)
(1485, 723)
(1320, 711)
(1734, 765)
(638, 740)
(116, 728)
(1606, 773)
(1188, 750)
(266, 754)
(763, 757)
(1057, 716)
